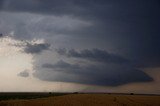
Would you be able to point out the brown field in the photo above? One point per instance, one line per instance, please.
(88, 100)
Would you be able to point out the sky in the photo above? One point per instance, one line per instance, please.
(80, 46)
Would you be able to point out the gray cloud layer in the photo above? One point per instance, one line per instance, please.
(130, 27)
(94, 55)
(111, 69)
(24, 74)
(98, 74)
(61, 65)
(36, 48)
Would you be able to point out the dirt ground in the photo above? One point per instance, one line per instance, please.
(88, 100)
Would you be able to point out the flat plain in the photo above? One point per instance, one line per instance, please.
(86, 100)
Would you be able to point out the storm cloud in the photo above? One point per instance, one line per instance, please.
(125, 34)
(36, 48)
(60, 64)
(111, 69)
(128, 27)
(97, 74)
(94, 55)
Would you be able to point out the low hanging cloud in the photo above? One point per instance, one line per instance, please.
(24, 74)
(60, 65)
(93, 55)
(36, 48)
(96, 74)
(109, 71)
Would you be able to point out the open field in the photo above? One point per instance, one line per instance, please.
(27, 95)
(88, 100)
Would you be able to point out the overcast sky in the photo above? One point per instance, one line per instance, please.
(75, 45)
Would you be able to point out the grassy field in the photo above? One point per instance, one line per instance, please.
(87, 100)
(29, 95)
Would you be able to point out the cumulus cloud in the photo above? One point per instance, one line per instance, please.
(24, 74)
(94, 55)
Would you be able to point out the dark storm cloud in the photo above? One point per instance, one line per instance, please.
(94, 55)
(124, 10)
(24, 74)
(60, 64)
(1, 35)
(36, 48)
(131, 26)
(1, 4)
(74, 7)
(126, 27)
(108, 72)
(106, 75)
